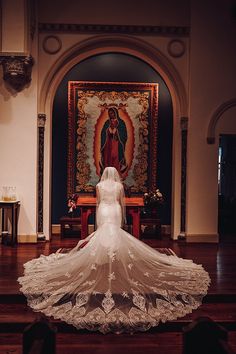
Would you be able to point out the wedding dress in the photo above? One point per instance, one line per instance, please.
(111, 281)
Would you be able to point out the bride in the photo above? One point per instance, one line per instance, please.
(111, 281)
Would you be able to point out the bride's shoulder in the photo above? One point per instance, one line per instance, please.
(99, 186)
(119, 185)
(109, 183)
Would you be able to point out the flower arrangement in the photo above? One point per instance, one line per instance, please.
(71, 202)
(153, 198)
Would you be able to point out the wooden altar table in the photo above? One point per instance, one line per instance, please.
(87, 206)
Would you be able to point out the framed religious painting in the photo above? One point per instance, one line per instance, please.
(112, 124)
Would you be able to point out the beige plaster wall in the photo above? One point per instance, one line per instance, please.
(18, 136)
(18, 151)
(149, 12)
(212, 83)
(13, 26)
(226, 123)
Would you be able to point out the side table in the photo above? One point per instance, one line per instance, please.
(14, 207)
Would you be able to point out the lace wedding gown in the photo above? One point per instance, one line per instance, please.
(115, 283)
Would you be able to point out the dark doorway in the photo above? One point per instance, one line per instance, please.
(227, 187)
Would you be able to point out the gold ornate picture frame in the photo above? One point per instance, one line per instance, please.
(112, 124)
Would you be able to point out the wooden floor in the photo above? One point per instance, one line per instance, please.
(220, 303)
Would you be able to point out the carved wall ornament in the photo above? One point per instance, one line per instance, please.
(176, 48)
(179, 31)
(17, 70)
(52, 44)
(41, 120)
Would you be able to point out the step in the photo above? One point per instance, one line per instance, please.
(97, 343)
(15, 317)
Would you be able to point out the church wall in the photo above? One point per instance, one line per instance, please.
(212, 67)
(18, 122)
(226, 123)
(151, 12)
(13, 22)
(18, 151)
(209, 55)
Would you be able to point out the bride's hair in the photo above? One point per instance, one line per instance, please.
(110, 174)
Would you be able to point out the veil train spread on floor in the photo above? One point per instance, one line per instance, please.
(115, 283)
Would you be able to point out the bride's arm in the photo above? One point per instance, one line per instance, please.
(122, 203)
(97, 195)
(97, 204)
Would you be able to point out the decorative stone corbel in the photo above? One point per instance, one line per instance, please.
(17, 70)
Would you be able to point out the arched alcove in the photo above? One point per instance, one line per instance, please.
(110, 67)
(216, 116)
(140, 50)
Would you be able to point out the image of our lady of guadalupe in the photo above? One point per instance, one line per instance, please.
(113, 141)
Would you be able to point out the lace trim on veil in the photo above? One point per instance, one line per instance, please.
(141, 311)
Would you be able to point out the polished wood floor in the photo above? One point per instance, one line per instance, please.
(220, 303)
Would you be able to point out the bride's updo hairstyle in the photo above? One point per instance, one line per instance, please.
(110, 174)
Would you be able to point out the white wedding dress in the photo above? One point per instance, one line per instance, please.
(111, 281)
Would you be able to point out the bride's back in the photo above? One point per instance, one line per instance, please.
(109, 204)
(109, 191)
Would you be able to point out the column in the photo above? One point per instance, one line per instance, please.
(184, 135)
(41, 129)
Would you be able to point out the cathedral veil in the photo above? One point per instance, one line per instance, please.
(111, 281)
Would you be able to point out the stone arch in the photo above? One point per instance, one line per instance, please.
(215, 118)
(137, 48)
(129, 45)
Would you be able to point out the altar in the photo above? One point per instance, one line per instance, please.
(87, 205)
